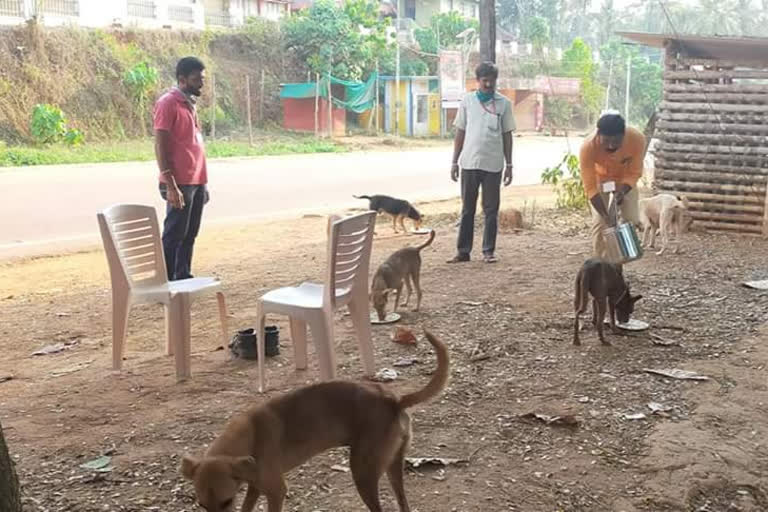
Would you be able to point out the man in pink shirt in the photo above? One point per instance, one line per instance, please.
(181, 158)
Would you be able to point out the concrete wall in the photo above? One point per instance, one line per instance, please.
(181, 14)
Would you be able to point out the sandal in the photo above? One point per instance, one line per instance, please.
(459, 258)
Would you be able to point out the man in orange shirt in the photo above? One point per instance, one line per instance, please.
(614, 153)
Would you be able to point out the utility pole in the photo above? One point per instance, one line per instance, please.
(629, 76)
(488, 30)
(608, 87)
(397, 71)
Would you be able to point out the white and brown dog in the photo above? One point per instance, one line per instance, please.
(666, 213)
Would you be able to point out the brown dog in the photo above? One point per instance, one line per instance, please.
(258, 446)
(605, 282)
(403, 266)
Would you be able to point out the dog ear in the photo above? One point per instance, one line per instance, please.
(189, 466)
(245, 468)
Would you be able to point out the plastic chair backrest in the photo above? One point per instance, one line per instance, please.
(131, 237)
(349, 254)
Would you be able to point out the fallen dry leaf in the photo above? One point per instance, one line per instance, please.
(403, 336)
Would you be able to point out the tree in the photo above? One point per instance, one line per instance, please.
(443, 29)
(510, 15)
(519, 17)
(347, 41)
(645, 86)
(606, 21)
(717, 17)
(536, 32)
(440, 34)
(141, 81)
(764, 16)
(577, 63)
(410, 64)
(10, 496)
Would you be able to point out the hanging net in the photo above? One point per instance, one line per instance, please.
(358, 96)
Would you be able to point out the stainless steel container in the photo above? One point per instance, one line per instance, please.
(622, 244)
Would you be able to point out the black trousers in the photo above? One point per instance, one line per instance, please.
(472, 180)
(180, 230)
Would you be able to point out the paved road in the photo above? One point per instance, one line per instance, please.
(53, 208)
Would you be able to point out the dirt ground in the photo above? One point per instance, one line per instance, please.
(509, 330)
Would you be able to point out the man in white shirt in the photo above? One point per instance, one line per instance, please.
(483, 143)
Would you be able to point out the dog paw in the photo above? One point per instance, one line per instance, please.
(576, 342)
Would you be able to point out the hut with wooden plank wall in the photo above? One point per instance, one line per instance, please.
(712, 128)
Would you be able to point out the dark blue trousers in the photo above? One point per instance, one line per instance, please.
(180, 229)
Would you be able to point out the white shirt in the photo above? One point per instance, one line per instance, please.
(484, 125)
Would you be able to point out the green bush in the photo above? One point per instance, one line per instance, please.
(225, 121)
(141, 81)
(566, 178)
(49, 126)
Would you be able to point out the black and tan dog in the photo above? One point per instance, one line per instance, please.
(258, 446)
(605, 283)
(399, 209)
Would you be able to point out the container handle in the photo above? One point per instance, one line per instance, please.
(613, 208)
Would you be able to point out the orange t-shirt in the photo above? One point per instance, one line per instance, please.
(625, 166)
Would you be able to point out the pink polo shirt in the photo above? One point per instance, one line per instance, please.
(174, 114)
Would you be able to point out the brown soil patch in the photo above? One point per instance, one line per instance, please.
(508, 327)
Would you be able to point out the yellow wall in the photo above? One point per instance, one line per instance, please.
(403, 128)
(434, 114)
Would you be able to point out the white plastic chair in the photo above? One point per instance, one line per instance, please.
(346, 283)
(137, 269)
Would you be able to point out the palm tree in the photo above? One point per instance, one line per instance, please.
(606, 20)
(715, 17)
(510, 15)
(748, 17)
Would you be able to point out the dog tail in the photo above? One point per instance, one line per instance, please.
(428, 242)
(438, 380)
(581, 295)
(361, 197)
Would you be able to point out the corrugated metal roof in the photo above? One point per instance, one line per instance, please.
(737, 49)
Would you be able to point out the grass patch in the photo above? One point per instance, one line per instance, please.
(143, 150)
